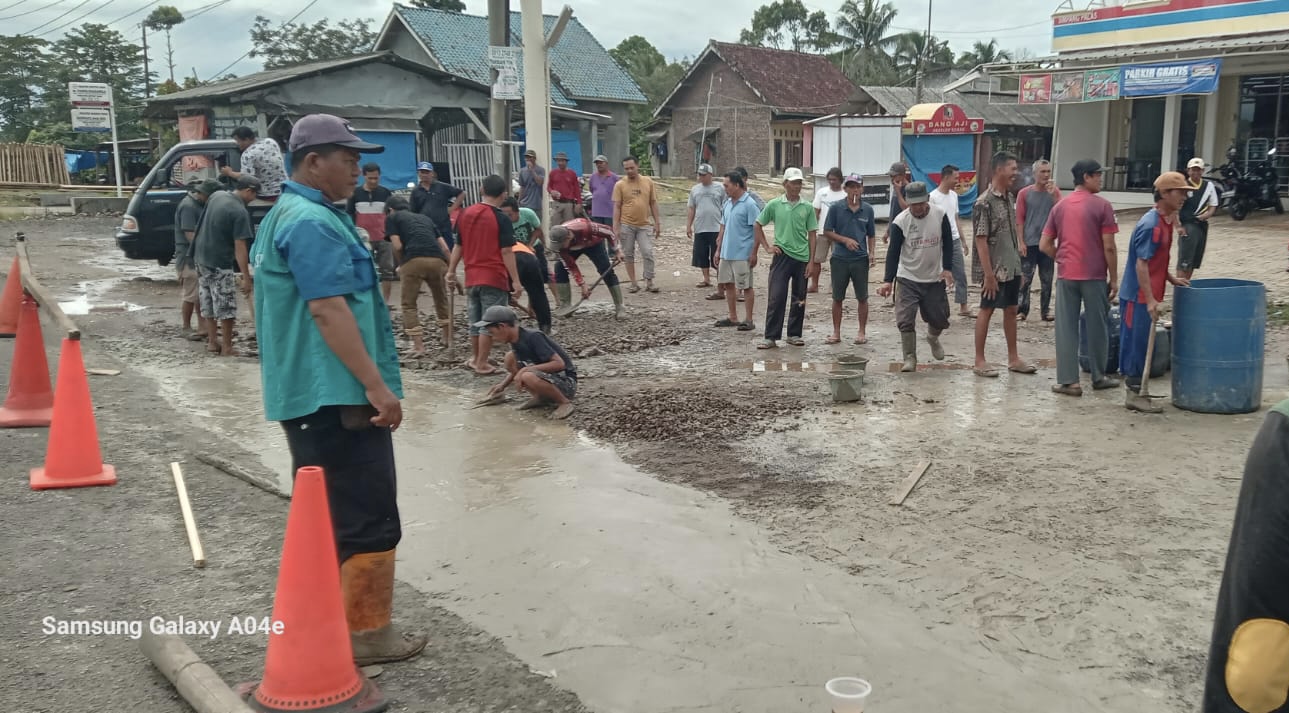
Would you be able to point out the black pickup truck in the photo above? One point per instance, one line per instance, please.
(147, 231)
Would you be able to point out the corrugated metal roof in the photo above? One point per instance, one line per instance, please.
(897, 100)
(580, 66)
(268, 78)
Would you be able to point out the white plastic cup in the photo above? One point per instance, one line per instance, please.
(848, 694)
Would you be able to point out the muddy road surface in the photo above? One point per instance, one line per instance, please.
(708, 532)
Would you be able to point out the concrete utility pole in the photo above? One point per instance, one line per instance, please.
(498, 109)
(537, 122)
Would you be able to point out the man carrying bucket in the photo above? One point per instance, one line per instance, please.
(1144, 279)
(330, 370)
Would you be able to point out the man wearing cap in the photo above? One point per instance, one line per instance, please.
(1200, 205)
(436, 200)
(532, 179)
(945, 197)
(1146, 276)
(487, 247)
(220, 251)
(596, 241)
(1080, 236)
(187, 218)
(795, 229)
(920, 261)
(999, 248)
(704, 222)
(601, 184)
(1034, 206)
(824, 199)
(851, 227)
(329, 369)
(565, 188)
(261, 159)
(900, 177)
(635, 199)
(539, 365)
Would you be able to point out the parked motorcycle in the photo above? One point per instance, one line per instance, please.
(1257, 188)
(1225, 178)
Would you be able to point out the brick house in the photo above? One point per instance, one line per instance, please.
(743, 106)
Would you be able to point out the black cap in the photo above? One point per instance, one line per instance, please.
(1083, 167)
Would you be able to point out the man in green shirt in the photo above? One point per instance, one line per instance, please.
(795, 227)
(330, 370)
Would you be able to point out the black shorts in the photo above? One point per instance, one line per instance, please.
(1008, 295)
(1191, 244)
(357, 460)
(704, 250)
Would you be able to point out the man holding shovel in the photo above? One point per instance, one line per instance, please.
(1142, 292)
(579, 237)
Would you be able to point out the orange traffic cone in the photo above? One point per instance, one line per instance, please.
(30, 401)
(310, 662)
(73, 459)
(11, 302)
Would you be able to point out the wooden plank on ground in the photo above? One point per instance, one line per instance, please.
(190, 524)
(910, 483)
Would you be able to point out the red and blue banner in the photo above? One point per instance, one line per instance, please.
(1165, 21)
(928, 155)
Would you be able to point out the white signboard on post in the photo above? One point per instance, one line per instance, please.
(500, 57)
(92, 110)
(507, 86)
(91, 119)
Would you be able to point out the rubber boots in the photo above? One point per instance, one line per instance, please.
(564, 291)
(910, 342)
(367, 581)
(937, 350)
(619, 309)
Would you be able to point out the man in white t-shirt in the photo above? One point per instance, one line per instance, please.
(824, 199)
(945, 197)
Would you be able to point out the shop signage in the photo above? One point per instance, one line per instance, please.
(1152, 80)
(1101, 84)
(946, 119)
(1067, 87)
(1035, 89)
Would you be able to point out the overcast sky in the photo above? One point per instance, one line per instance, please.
(677, 27)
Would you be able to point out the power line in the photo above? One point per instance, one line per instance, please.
(55, 3)
(205, 9)
(12, 4)
(56, 19)
(132, 13)
(252, 49)
(77, 19)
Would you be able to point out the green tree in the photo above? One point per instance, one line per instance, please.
(91, 53)
(863, 41)
(292, 44)
(448, 5)
(165, 18)
(983, 53)
(918, 52)
(655, 76)
(787, 24)
(638, 57)
(24, 68)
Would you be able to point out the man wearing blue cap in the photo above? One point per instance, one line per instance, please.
(436, 200)
(329, 369)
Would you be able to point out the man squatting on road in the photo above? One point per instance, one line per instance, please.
(579, 237)
(919, 265)
(535, 362)
(330, 373)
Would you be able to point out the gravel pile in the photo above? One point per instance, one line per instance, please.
(688, 412)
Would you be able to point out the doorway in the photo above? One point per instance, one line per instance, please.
(1188, 132)
(1145, 145)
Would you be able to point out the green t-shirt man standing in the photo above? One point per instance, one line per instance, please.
(795, 226)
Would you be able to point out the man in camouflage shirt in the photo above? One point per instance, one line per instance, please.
(1000, 249)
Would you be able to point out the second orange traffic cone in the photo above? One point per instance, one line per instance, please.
(11, 302)
(30, 401)
(73, 459)
(309, 665)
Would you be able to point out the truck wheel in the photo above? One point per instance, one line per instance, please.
(1280, 205)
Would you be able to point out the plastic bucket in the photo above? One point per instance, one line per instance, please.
(851, 362)
(846, 386)
(1218, 340)
(848, 694)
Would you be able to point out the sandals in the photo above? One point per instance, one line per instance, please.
(767, 344)
(1104, 383)
(832, 340)
(703, 284)
(859, 340)
(715, 296)
(1023, 369)
(1049, 318)
(796, 341)
(1067, 389)
(633, 289)
(987, 372)
(746, 326)
(727, 322)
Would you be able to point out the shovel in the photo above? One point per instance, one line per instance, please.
(571, 308)
(1141, 401)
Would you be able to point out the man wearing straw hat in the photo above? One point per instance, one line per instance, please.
(330, 370)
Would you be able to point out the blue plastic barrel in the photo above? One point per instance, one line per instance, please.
(1219, 334)
(1112, 358)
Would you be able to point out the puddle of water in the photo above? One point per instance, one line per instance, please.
(81, 306)
(761, 367)
(895, 366)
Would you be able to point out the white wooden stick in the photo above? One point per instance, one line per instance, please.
(198, 554)
(910, 483)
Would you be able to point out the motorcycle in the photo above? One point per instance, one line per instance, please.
(1257, 188)
(1224, 179)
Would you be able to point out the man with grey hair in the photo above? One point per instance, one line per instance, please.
(704, 221)
(1033, 206)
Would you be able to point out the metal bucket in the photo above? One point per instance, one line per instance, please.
(846, 386)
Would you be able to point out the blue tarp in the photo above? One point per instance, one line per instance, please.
(927, 155)
(398, 162)
(78, 161)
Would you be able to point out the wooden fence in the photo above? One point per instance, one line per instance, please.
(33, 165)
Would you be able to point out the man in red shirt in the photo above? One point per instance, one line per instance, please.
(565, 189)
(579, 237)
(1080, 234)
(486, 240)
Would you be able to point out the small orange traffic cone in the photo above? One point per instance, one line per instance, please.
(309, 665)
(30, 401)
(73, 458)
(11, 302)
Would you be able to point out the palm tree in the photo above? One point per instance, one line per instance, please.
(983, 53)
(916, 51)
(862, 36)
